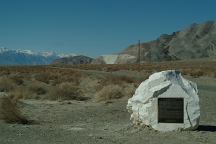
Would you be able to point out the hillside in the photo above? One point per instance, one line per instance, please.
(197, 41)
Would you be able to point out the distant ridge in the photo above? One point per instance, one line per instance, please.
(80, 59)
(27, 57)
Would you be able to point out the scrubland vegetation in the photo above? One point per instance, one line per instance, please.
(87, 103)
(88, 82)
(62, 84)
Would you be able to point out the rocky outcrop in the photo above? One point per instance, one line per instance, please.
(144, 105)
(194, 42)
(115, 59)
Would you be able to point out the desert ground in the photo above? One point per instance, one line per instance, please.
(87, 104)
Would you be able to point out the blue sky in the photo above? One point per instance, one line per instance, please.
(94, 27)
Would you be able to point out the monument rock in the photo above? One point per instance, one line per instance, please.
(166, 102)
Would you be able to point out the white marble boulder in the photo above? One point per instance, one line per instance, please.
(144, 105)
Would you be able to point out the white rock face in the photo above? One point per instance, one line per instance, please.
(125, 59)
(110, 59)
(116, 59)
(143, 106)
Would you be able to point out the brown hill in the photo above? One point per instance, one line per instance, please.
(195, 42)
(74, 60)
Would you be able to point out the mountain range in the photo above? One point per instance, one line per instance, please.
(28, 57)
(197, 41)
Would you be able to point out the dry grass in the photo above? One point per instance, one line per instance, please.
(205, 66)
(129, 90)
(9, 112)
(89, 86)
(37, 88)
(58, 76)
(43, 77)
(6, 84)
(18, 79)
(73, 82)
(34, 90)
(112, 79)
(121, 81)
(14, 77)
(66, 91)
(214, 75)
(194, 72)
(20, 93)
(109, 92)
(71, 70)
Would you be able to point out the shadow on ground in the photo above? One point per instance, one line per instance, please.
(208, 128)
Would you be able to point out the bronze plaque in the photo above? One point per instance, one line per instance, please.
(170, 110)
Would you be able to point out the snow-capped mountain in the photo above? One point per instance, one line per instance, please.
(28, 57)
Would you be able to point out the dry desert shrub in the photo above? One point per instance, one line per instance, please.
(33, 91)
(129, 90)
(9, 112)
(58, 76)
(20, 93)
(66, 91)
(66, 78)
(17, 79)
(6, 84)
(197, 73)
(43, 77)
(72, 77)
(37, 88)
(215, 74)
(205, 65)
(116, 80)
(193, 72)
(126, 79)
(109, 92)
(89, 86)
